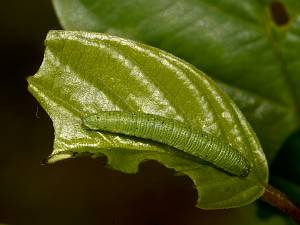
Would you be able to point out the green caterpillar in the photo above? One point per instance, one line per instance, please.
(173, 133)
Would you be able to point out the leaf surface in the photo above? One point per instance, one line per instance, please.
(84, 73)
(237, 43)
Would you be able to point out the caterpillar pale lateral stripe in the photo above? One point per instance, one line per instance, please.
(173, 133)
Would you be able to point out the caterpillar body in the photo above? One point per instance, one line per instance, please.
(173, 133)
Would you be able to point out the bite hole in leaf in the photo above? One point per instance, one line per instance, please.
(279, 13)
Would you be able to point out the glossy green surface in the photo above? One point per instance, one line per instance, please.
(236, 42)
(84, 73)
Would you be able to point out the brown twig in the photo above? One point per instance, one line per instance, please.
(280, 201)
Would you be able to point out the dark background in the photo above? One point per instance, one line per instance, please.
(78, 191)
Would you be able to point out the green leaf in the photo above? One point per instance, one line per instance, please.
(84, 73)
(253, 59)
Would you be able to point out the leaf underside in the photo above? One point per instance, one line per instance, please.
(84, 73)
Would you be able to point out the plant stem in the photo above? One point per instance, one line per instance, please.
(280, 201)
